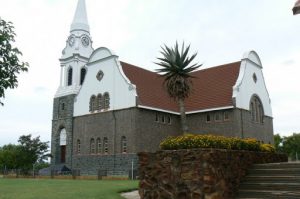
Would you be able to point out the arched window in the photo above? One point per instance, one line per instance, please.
(106, 100)
(63, 137)
(62, 106)
(208, 117)
(169, 120)
(256, 110)
(63, 143)
(92, 103)
(92, 146)
(252, 111)
(100, 102)
(70, 76)
(123, 145)
(105, 145)
(82, 75)
(99, 145)
(78, 147)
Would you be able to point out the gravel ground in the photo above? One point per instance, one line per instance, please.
(131, 195)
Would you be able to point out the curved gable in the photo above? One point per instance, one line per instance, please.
(251, 81)
(253, 57)
(101, 53)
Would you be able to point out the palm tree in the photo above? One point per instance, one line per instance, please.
(176, 69)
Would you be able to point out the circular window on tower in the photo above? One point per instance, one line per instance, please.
(85, 41)
(71, 41)
(100, 75)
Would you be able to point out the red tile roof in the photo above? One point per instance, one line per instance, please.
(212, 87)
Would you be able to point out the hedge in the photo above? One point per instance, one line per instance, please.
(191, 141)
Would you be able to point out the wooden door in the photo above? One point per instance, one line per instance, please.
(63, 154)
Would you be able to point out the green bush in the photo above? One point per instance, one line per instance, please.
(190, 141)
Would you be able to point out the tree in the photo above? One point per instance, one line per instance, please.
(291, 146)
(176, 69)
(278, 143)
(33, 150)
(10, 65)
(30, 151)
(288, 144)
(9, 156)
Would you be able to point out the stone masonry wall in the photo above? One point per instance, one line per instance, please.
(62, 118)
(238, 124)
(119, 164)
(196, 173)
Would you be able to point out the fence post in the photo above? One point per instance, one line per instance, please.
(52, 173)
(75, 173)
(101, 173)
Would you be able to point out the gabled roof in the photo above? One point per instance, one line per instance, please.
(212, 88)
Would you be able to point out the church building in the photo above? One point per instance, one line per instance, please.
(105, 111)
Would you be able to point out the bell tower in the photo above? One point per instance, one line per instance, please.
(74, 58)
(76, 53)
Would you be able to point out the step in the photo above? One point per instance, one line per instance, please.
(268, 179)
(270, 186)
(276, 165)
(278, 171)
(243, 194)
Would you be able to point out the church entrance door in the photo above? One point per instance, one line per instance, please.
(63, 154)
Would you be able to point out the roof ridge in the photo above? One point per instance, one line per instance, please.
(217, 66)
(200, 70)
(122, 62)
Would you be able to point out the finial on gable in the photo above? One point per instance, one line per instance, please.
(253, 57)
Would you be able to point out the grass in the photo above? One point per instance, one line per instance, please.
(64, 189)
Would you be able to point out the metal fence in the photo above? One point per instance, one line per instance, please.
(72, 174)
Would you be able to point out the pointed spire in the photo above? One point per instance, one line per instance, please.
(80, 21)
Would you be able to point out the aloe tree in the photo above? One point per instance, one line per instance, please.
(176, 68)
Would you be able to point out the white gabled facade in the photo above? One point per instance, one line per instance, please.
(121, 92)
(251, 82)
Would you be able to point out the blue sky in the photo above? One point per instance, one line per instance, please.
(220, 31)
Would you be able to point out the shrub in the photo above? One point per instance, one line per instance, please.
(267, 148)
(190, 141)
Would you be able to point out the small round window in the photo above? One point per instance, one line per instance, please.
(100, 75)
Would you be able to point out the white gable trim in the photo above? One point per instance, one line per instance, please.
(157, 109)
(245, 87)
(211, 109)
(189, 112)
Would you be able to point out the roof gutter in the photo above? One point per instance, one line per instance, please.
(210, 109)
(189, 112)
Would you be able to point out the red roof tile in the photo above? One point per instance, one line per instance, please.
(212, 87)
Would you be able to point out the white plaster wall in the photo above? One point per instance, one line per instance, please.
(77, 48)
(64, 89)
(122, 93)
(245, 87)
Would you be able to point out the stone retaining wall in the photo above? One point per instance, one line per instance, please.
(196, 173)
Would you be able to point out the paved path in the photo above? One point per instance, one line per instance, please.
(131, 195)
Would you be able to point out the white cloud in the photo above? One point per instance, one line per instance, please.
(220, 31)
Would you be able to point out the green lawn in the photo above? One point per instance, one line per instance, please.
(63, 189)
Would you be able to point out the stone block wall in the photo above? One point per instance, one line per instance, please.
(119, 164)
(238, 124)
(62, 118)
(196, 173)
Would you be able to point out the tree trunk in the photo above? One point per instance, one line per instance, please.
(184, 126)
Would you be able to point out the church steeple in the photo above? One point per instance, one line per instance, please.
(79, 41)
(80, 21)
(76, 53)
